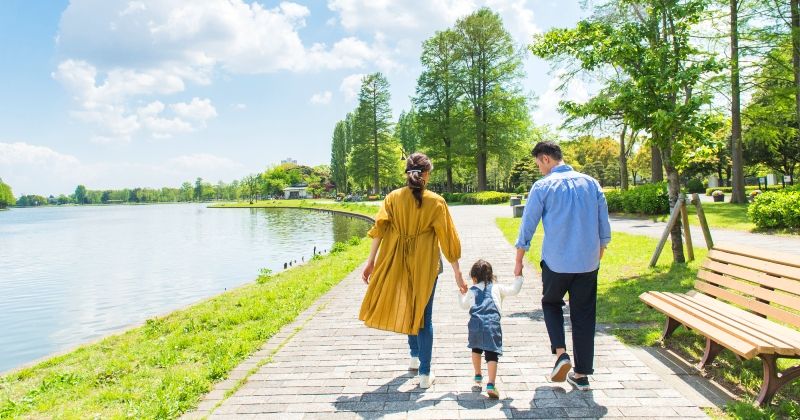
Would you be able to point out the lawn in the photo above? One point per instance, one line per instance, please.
(358, 208)
(163, 368)
(624, 275)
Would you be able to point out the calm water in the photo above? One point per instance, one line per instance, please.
(72, 274)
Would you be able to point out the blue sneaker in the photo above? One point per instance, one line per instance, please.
(492, 391)
(561, 368)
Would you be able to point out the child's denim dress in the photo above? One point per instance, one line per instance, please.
(484, 322)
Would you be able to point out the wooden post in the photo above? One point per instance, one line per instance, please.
(676, 211)
(703, 223)
(687, 233)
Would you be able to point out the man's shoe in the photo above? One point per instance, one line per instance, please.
(562, 367)
(414, 364)
(581, 383)
(425, 381)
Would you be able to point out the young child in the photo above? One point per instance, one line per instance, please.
(484, 301)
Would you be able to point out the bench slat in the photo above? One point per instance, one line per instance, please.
(766, 343)
(788, 285)
(761, 254)
(788, 301)
(776, 269)
(658, 301)
(757, 306)
(773, 329)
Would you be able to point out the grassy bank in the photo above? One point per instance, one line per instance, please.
(163, 368)
(357, 208)
(624, 275)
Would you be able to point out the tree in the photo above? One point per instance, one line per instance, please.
(640, 164)
(375, 154)
(80, 194)
(407, 132)
(6, 196)
(198, 189)
(250, 185)
(662, 93)
(438, 100)
(737, 193)
(489, 73)
(339, 156)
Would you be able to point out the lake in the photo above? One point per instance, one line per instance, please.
(69, 275)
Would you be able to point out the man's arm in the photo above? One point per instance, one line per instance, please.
(604, 227)
(530, 220)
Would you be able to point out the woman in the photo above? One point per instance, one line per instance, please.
(410, 227)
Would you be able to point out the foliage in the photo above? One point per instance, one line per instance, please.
(407, 131)
(6, 196)
(339, 152)
(644, 199)
(695, 185)
(771, 210)
(728, 190)
(524, 173)
(485, 197)
(453, 197)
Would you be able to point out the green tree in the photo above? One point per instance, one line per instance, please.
(490, 70)
(339, 156)
(80, 194)
(407, 132)
(198, 189)
(438, 98)
(6, 195)
(662, 92)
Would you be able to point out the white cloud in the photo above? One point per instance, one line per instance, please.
(321, 98)
(239, 106)
(350, 86)
(547, 110)
(33, 169)
(198, 109)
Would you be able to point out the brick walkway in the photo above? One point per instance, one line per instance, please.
(331, 366)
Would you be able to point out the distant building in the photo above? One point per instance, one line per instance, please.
(289, 160)
(296, 191)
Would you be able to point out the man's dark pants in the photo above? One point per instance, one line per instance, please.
(582, 288)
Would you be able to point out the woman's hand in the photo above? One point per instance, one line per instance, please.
(462, 286)
(367, 271)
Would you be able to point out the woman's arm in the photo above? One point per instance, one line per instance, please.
(462, 287)
(373, 251)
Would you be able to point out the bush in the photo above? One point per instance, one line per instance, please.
(452, 197)
(695, 186)
(776, 210)
(644, 199)
(485, 197)
(728, 190)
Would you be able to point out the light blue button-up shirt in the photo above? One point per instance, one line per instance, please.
(574, 214)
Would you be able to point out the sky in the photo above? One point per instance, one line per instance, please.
(120, 93)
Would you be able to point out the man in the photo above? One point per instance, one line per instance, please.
(574, 215)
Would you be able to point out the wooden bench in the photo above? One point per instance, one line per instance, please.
(746, 300)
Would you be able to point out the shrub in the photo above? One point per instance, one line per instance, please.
(728, 190)
(338, 247)
(695, 186)
(485, 197)
(776, 210)
(452, 197)
(644, 199)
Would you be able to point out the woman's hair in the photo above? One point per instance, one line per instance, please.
(482, 271)
(416, 164)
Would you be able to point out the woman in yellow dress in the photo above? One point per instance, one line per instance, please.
(411, 226)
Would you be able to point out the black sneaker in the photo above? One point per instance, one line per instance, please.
(562, 367)
(581, 383)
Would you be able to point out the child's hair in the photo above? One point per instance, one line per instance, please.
(482, 271)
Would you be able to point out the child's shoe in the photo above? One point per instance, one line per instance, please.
(414, 364)
(426, 381)
(478, 379)
(492, 391)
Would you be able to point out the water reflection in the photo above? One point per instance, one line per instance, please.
(72, 274)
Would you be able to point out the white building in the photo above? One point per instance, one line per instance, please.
(289, 160)
(295, 192)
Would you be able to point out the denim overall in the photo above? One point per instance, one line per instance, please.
(484, 322)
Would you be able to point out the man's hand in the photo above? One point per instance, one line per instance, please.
(602, 250)
(518, 268)
(367, 271)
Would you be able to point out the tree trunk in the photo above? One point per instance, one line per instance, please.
(656, 166)
(737, 160)
(795, 8)
(449, 168)
(480, 158)
(623, 160)
(674, 188)
(376, 174)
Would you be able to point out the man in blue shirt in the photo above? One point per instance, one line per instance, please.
(574, 215)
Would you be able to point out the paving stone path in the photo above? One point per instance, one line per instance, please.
(327, 365)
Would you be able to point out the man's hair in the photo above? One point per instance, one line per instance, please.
(548, 148)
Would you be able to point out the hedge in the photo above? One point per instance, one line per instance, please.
(485, 197)
(771, 210)
(452, 197)
(644, 199)
(728, 190)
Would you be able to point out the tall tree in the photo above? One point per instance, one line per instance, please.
(80, 194)
(373, 143)
(407, 131)
(339, 156)
(737, 193)
(490, 71)
(6, 196)
(437, 99)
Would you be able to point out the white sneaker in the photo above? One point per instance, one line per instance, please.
(414, 364)
(425, 381)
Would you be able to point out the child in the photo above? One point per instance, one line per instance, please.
(484, 301)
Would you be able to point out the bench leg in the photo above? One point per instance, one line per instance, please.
(712, 350)
(669, 328)
(774, 380)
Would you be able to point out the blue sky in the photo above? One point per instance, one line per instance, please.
(119, 93)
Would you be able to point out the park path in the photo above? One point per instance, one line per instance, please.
(328, 365)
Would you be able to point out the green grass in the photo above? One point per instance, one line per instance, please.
(358, 208)
(163, 368)
(624, 275)
(723, 216)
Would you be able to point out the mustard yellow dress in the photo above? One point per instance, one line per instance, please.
(407, 263)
